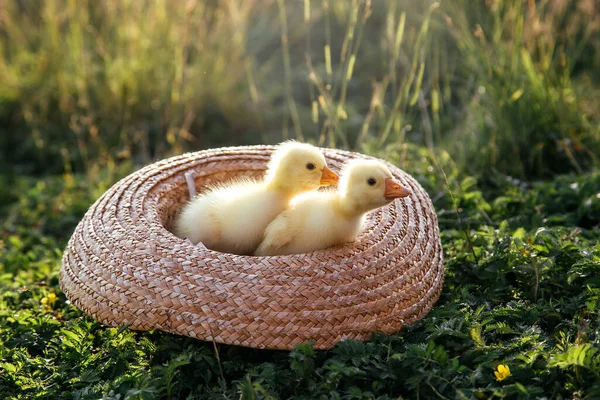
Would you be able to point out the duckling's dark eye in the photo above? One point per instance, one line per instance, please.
(310, 166)
(371, 181)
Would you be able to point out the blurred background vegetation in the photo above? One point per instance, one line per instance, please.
(502, 86)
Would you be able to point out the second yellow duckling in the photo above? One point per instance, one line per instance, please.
(319, 220)
(232, 217)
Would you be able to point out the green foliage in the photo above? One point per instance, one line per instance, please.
(119, 78)
(521, 289)
(502, 85)
(524, 116)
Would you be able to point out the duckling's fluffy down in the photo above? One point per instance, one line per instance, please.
(230, 217)
(318, 220)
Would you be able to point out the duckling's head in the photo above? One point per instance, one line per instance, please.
(368, 184)
(298, 167)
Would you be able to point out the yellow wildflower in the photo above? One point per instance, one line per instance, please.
(49, 300)
(502, 372)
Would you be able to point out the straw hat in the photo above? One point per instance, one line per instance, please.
(123, 266)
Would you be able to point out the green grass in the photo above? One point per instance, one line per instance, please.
(525, 116)
(513, 84)
(522, 289)
(491, 105)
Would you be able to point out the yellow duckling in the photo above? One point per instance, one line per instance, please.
(232, 217)
(323, 219)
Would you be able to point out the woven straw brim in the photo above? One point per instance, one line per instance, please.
(124, 266)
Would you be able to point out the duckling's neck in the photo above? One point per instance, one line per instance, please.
(350, 207)
(281, 188)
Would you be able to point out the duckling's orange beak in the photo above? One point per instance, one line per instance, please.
(394, 190)
(329, 177)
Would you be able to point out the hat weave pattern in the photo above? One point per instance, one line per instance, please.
(123, 266)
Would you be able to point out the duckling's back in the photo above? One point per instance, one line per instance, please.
(230, 218)
(313, 222)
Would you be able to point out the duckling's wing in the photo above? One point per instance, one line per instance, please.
(277, 236)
